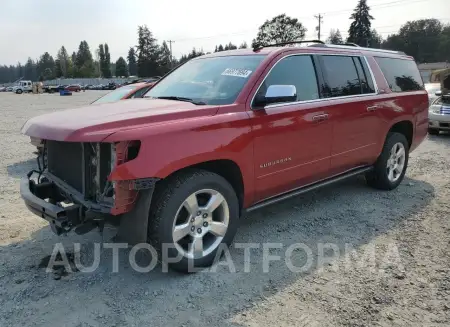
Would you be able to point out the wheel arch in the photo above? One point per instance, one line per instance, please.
(226, 168)
(404, 127)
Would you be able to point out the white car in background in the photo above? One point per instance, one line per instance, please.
(434, 91)
(439, 115)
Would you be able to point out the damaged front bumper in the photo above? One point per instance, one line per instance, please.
(61, 206)
(66, 209)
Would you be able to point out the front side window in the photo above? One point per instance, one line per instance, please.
(294, 70)
(213, 81)
(402, 75)
(341, 76)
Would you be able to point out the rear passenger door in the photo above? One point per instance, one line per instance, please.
(292, 141)
(352, 106)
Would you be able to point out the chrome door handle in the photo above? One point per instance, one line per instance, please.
(320, 117)
(372, 108)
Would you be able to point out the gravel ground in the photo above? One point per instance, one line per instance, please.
(375, 258)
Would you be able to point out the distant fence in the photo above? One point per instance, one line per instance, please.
(87, 81)
(82, 81)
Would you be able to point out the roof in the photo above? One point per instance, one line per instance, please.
(274, 50)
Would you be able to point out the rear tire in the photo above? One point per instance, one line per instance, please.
(433, 131)
(193, 213)
(19, 91)
(390, 168)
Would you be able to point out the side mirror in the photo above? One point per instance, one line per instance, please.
(277, 94)
(438, 93)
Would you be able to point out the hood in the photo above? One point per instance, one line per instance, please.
(94, 123)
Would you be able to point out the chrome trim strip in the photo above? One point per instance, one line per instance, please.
(309, 187)
(317, 100)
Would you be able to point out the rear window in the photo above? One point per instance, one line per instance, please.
(402, 75)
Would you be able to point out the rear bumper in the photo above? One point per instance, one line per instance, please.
(61, 219)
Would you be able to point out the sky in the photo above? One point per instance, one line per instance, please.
(28, 28)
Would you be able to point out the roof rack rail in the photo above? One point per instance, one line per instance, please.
(259, 47)
(352, 47)
(352, 44)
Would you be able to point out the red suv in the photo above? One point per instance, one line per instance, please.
(224, 134)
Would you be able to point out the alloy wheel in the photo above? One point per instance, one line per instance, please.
(201, 223)
(396, 162)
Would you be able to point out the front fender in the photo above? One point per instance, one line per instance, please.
(166, 149)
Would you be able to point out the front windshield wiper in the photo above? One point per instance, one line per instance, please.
(181, 99)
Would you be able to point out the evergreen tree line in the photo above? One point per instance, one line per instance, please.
(427, 40)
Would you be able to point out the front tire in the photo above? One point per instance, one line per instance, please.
(390, 168)
(433, 131)
(193, 213)
(19, 91)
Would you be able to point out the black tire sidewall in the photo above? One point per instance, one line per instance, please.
(381, 165)
(168, 213)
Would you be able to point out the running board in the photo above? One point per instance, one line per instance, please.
(310, 187)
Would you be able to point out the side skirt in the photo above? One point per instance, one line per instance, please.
(310, 187)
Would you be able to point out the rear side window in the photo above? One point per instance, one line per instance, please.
(402, 75)
(364, 76)
(294, 70)
(341, 76)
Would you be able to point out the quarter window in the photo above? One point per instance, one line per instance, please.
(341, 76)
(294, 70)
(402, 75)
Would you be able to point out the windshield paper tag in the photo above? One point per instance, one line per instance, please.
(237, 72)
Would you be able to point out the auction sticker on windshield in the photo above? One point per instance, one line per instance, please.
(237, 72)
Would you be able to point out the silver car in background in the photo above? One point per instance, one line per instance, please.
(434, 91)
(439, 115)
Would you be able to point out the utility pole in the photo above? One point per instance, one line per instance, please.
(319, 18)
(170, 48)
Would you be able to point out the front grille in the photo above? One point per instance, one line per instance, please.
(445, 110)
(83, 166)
(65, 161)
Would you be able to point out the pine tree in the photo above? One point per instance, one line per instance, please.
(101, 58)
(46, 66)
(360, 29)
(121, 68)
(29, 70)
(132, 65)
(148, 51)
(165, 59)
(84, 64)
(243, 45)
(107, 71)
(335, 37)
(61, 63)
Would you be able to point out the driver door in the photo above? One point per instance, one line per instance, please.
(292, 140)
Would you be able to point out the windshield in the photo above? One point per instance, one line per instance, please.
(214, 81)
(116, 95)
(432, 88)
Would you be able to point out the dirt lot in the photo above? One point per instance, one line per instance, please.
(405, 232)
